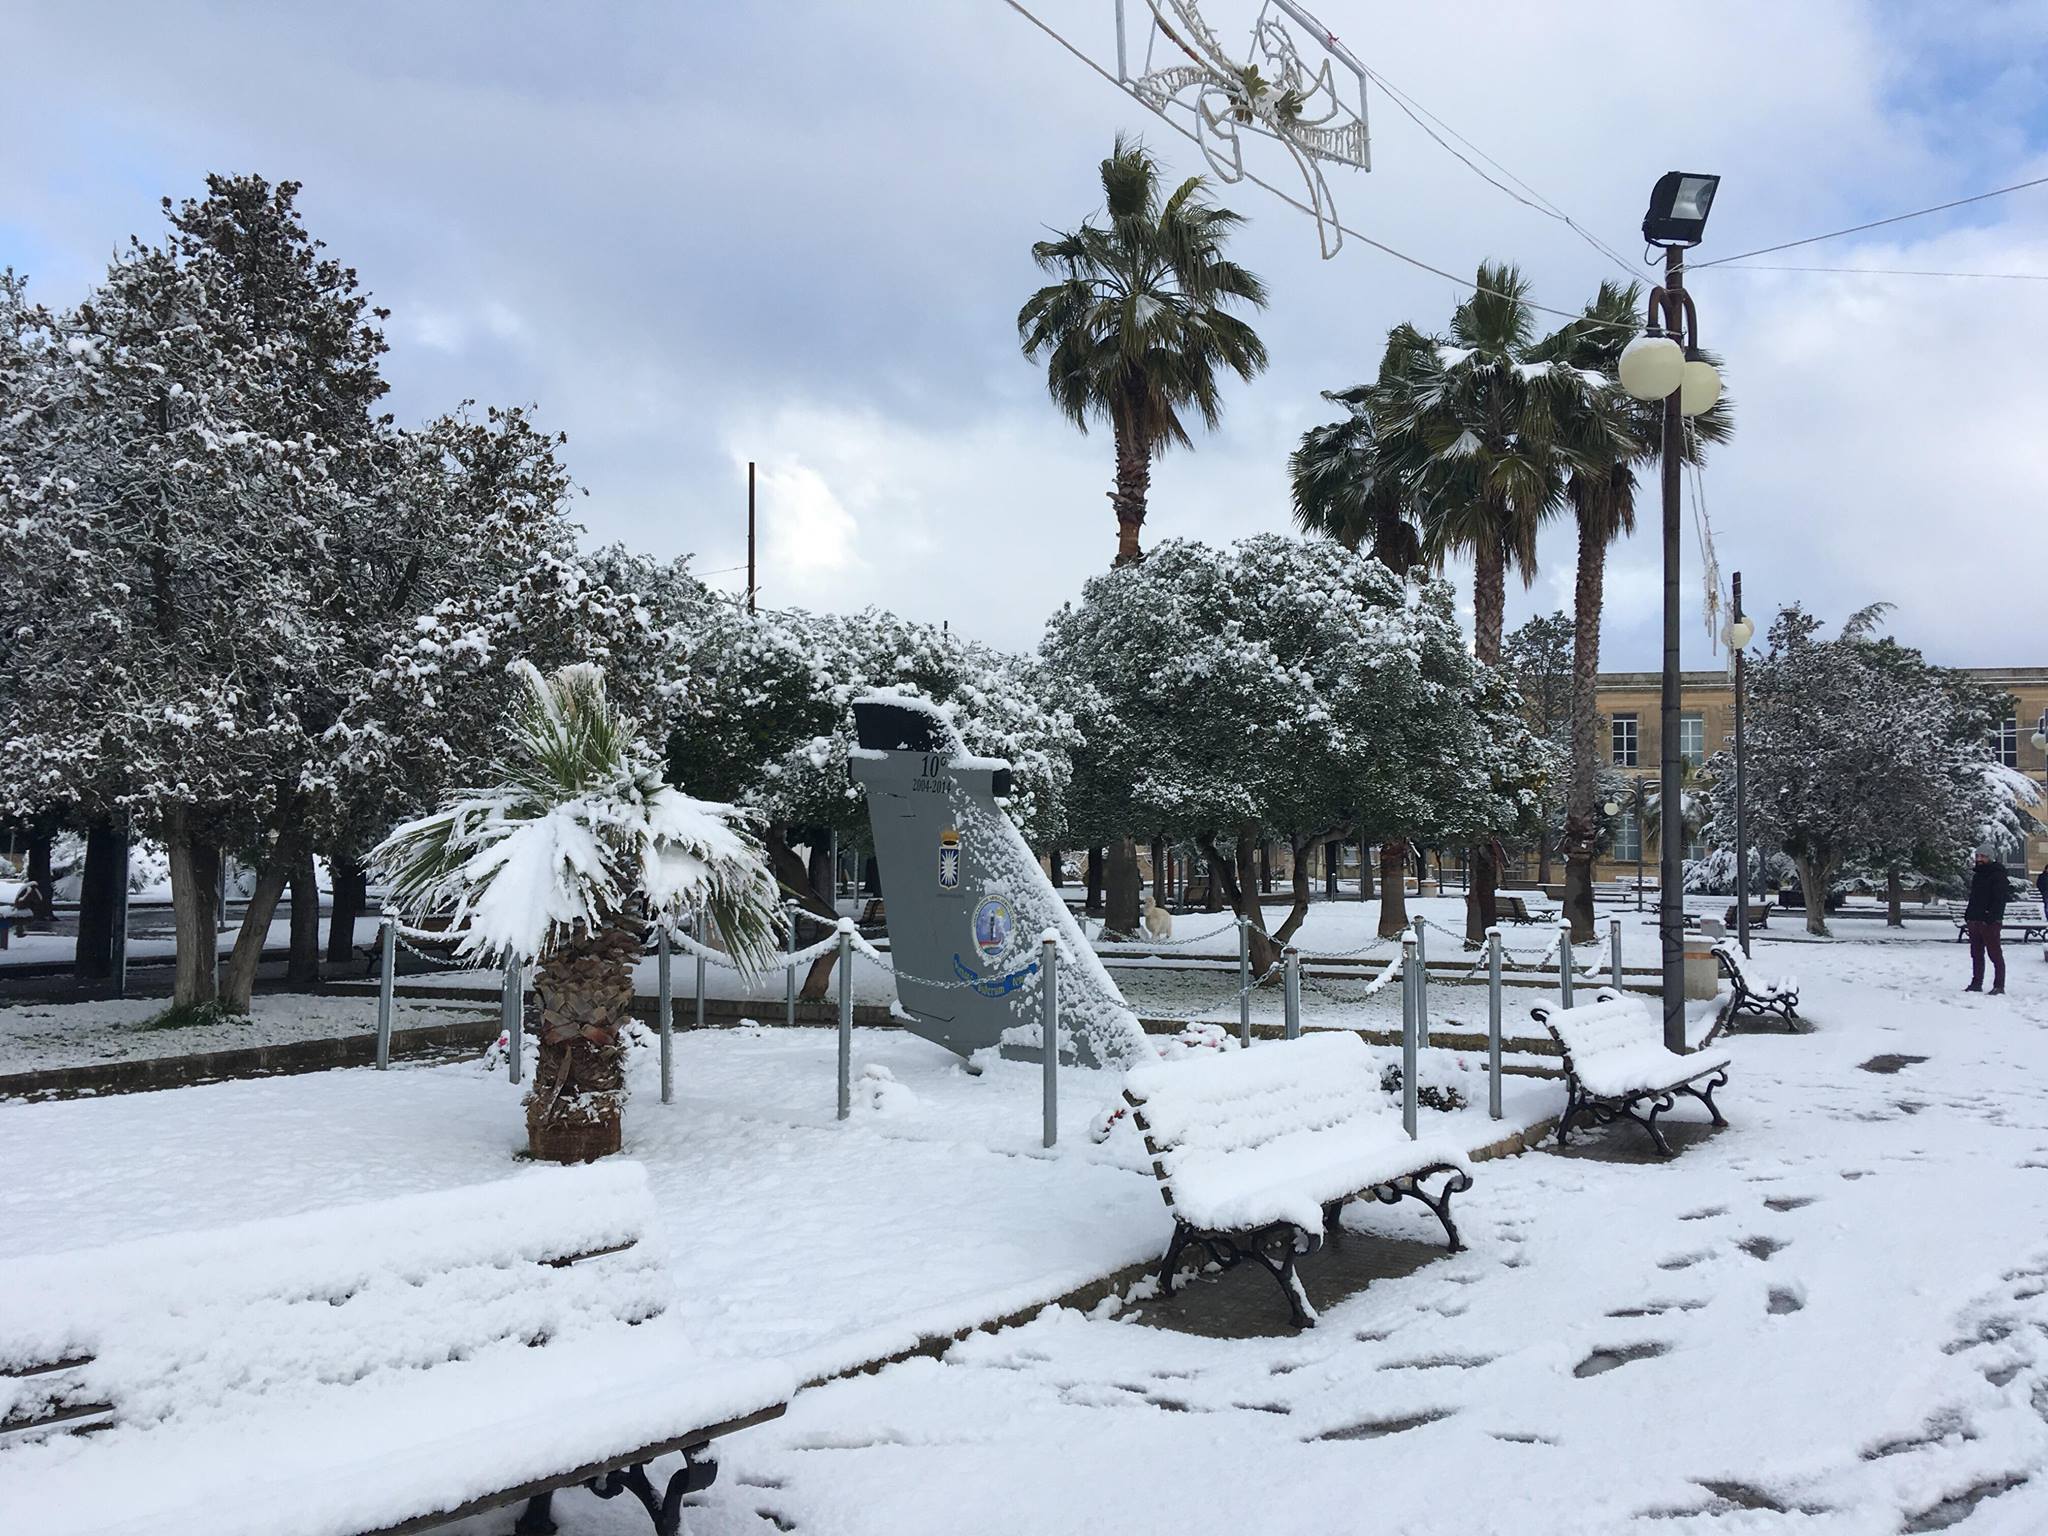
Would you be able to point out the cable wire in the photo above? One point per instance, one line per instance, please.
(2010, 277)
(1465, 284)
(1854, 229)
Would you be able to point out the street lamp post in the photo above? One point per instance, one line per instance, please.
(1739, 632)
(1635, 809)
(1656, 367)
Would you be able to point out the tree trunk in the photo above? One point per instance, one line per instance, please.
(1482, 911)
(809, 885)
(1489, 599)
(1333, 853)
(1365, 880)
(1091, 901)
(303, 969)
(195, 896)
(1133, 485)
(1543, 858)
(42, 884)
(1393, 887)
(1053, 872)
(351, 896)
(584, 990)
(1813, 880)
(1231, 877)
(99, 900)
(1159, 880)
(238, 975)
(1581, 823)
(1120, 888)
(1894, 899)
(1265, 868)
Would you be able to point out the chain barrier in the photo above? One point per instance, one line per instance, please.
(1198, 938)
(441, 962)
(784, 960)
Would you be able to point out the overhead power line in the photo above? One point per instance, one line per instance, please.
(2010, 277)
(1855, 229)
(1464, 283)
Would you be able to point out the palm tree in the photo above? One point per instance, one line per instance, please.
(1137, 330)
(564, 861)
(1347, 486)
(1477, 418)
(1626, 432)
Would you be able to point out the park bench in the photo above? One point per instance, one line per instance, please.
(1751, 993)
(2023, 921)
(1515, 909)
(384, 1367)
(1759, 915)
(1616, 1066)
(1257, 1152)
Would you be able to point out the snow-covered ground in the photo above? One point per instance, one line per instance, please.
(1832, 1317)
(35, 1036)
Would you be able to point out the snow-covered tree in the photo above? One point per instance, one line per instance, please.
(1858, 755)
(1292, 689)
(563, 860)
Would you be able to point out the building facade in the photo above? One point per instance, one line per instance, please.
(1632, 701)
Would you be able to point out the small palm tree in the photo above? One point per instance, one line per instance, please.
(564, 861)
(1137, 330)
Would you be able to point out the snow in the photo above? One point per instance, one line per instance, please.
(36, 1036)
(1835, 1305)
(356, 1365)
(1621, 1347)
(1250, 1137)
(1617, 1049)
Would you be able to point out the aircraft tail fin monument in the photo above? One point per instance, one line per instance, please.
(966, 901)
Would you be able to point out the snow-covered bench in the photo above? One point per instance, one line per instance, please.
(1258, 1151)
(1753, 994)
(2024, 921)
(369, 1368)
(1616, 1066)
(1515, 909)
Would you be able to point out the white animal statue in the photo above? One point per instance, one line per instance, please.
(1158, 921)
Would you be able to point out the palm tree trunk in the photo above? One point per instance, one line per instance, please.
(1581, 829)
(1120, 888)
(304, 967)
(1489, 612)
(1133, 485)
(584, 988)
(351, 894)
(1894, 898)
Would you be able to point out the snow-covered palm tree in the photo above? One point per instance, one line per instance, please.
(564, 861)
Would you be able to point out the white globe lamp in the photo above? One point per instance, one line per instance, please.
(1699, 386)
(1740, 633)
(1652, 366)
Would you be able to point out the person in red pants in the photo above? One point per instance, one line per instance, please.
(1989, 892)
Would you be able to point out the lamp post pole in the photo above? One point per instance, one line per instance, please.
(1741, 822)
(1642, 837)
(1670, 829)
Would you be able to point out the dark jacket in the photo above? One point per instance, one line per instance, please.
(2041, 884)
(1989, 893)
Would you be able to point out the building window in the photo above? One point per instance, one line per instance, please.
(1692, 739)
(2007, 736)
(1623, 741)
(1696, 848)
(1628, 836)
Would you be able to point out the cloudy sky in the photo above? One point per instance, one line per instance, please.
(699, 234)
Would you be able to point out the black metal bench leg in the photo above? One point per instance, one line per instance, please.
(664, 1508)
(1571, 1109)
(1169, 1266)
(1283, 1272)
(537, 1519)
(1706, 1095)
(1649, 1122)
(1440, 1204)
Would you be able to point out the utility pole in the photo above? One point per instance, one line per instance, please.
(750, 536)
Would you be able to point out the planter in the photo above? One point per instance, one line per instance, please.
(573, 1141)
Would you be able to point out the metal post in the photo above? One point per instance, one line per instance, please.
(1244, 981)
(789, 974)
(511, 996)
(665, 1011)
(387, 945)
(845, 1017)
(1422, 970)
(1493, 1002)
(750, 535)
(516, 1035)
(1741, 825)
(1614, 953)
(1049, 1030)
(118, 940)
(1671, 830)
(1291, 957)
(1410, 1033)
(1564, 962)
(700, 991)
